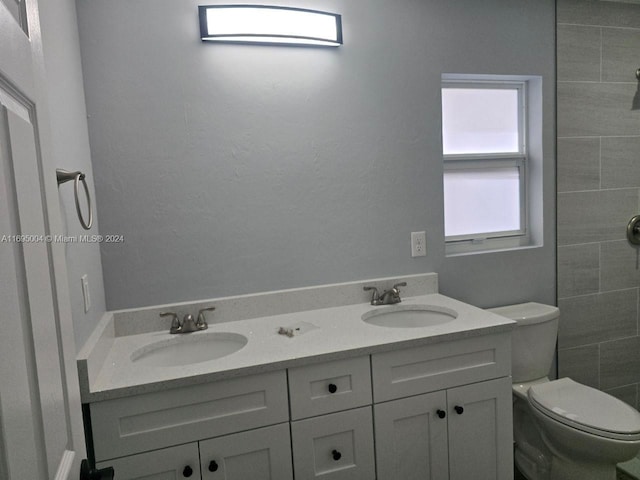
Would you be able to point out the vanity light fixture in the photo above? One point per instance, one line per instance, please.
(266, 24)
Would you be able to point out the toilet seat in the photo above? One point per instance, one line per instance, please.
(586, 409)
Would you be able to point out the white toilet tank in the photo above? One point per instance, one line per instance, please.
(533, 341)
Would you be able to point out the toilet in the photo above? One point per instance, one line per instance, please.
(563, 430)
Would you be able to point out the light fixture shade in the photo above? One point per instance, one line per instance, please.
(269, 25)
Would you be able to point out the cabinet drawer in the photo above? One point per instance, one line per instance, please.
(171, 417)
(329, 387)
(338, 446)
(438, 366)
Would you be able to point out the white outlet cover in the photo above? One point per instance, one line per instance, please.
(418, 244)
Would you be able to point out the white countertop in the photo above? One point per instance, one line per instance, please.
(341, 333)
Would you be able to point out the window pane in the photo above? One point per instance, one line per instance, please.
(479, 201)
(479, 120)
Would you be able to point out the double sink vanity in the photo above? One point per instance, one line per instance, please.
(281, 387)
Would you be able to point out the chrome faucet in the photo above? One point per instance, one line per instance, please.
(388, 297)
(188, 324)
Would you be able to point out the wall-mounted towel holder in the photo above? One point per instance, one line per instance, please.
(77, 177)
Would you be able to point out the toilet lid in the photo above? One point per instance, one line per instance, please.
(586, 409)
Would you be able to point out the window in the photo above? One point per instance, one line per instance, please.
(485, 163)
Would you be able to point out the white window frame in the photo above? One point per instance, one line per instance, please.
(481, 161)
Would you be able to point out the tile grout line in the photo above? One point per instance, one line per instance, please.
(600, 162)
(601, 42)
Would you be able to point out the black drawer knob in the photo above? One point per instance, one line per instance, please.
(187, 472)
(336, 455)
(459, 410)
(441, 413)
(333, 388)
(213, 466)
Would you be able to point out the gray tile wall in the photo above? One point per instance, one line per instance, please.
(598, 192)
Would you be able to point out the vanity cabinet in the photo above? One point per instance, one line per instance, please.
(452, 433)
(438, 411)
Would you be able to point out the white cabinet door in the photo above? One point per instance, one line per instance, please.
(175, 463)
(480, 431)
(261, 454)
(411, 438)
(338, 446)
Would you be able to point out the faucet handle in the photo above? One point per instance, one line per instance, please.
(175, 322)
(375, 298)
(395, 292)
(202, 323)
(401, 284)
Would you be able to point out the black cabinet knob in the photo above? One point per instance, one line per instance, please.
(441, 413)
(187, 472)
(213, 466)
(459, 410)
(336, 455)
(333, 388)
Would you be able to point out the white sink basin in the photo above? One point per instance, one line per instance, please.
(187, 349)
(409, 316)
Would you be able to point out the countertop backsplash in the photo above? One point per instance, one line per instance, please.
(243, 307)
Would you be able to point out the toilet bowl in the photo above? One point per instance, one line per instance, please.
(587, 431)
(563, 430)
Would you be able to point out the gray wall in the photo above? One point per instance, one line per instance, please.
(235, 169)
(598, 192)
(70, 140)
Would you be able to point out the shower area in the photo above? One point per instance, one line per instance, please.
(598, 184)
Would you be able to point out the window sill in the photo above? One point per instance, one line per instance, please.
(493, 245)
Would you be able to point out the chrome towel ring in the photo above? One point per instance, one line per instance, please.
(65, 176)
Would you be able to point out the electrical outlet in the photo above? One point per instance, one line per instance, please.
(85, 292)
(418, 244)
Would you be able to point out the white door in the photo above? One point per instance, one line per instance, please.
(480, 431)
(40, 418)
